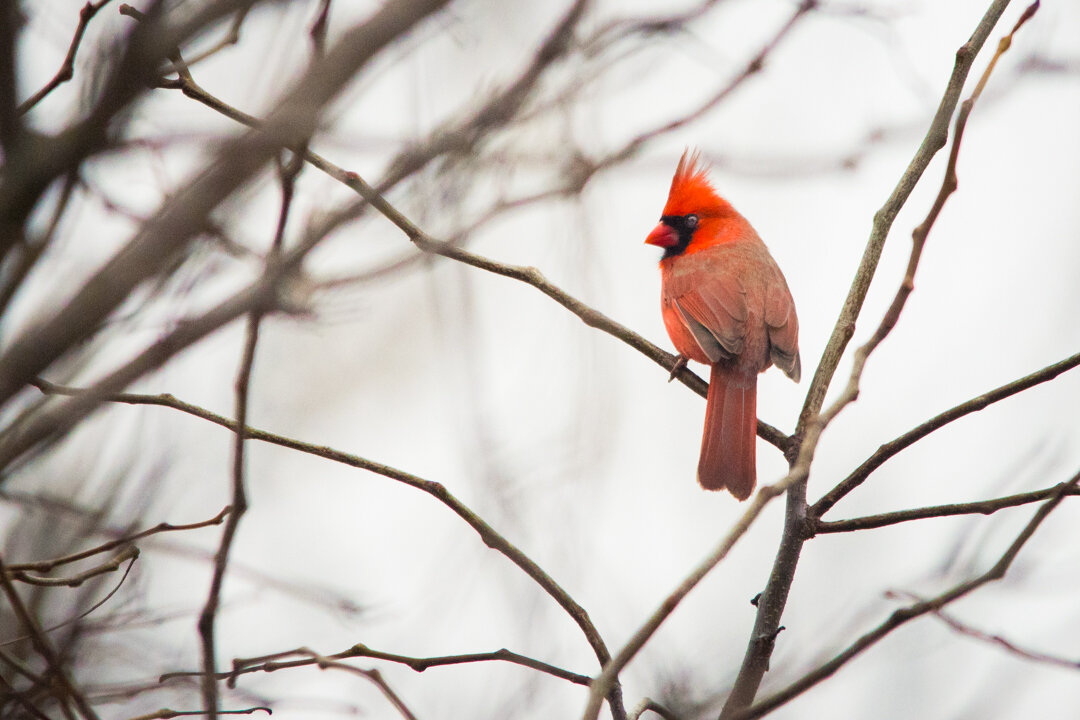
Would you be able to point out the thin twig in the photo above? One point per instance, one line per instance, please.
(161, 238)
(906, 614)
(167, 714)
(44, 647)
(239, 505)
(21, 696)
(374, 676)
(85, 613)
(450, 249)
(980, 507)
(50, 565)
(230, 38)
(286, 659)
(650, 705)
(918, 236)
(30, 251)
(278, 661)
(764, 495)
(487, 534)
(1004, 643)
(752, 67)
(893, 447)
(29, 171)
(67, 67)
(112, 565)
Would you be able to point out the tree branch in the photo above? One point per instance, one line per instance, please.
(487, 534)
(67, 67)
(239, 506)
(893, 447)
(981, 507)
(906, 614)
(1003, 642)
(50, 565)
(167, 714)
(168, 232)
(44, 647)
(281, 661)
(112, 565)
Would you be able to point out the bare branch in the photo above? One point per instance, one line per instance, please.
(1003, 642)
(112, 565)
(239, 506)
(650, 705)
(980, 507)
(11, 21)
(21, 699)
(284, 660)
(85, 613)
(906, 614)
(452, 250)
(67, 67)
(920, 233)
(487, 534)
(186, 214)
(891, 448)
(49, 565)
(764, 495)
(230, 38)
(375, 677)
(44, 647)
(167, 714)
(274, 662)
(34, 162)
(754, 66)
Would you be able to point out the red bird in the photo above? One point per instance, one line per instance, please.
(726, 304)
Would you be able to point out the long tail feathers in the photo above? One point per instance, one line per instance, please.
(728, 445)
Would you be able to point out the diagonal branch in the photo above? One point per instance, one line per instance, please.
(169, 231)
(920, 233)
(67, 67)
(893, 447)
(904, 615)
(44, 647)
(488, 534)
(49, 565)
(1004, 643)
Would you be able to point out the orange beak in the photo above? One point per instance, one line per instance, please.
(663, 236)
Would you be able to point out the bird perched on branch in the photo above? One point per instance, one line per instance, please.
(726, 304)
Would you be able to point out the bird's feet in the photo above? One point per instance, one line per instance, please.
(679, 365)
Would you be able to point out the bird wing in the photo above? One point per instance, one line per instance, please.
(783, 328)
(715, 312)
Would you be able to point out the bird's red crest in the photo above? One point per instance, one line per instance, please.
(691, 191)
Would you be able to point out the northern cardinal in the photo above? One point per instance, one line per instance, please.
(726, 304)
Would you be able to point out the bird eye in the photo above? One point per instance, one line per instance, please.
(691, 221)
